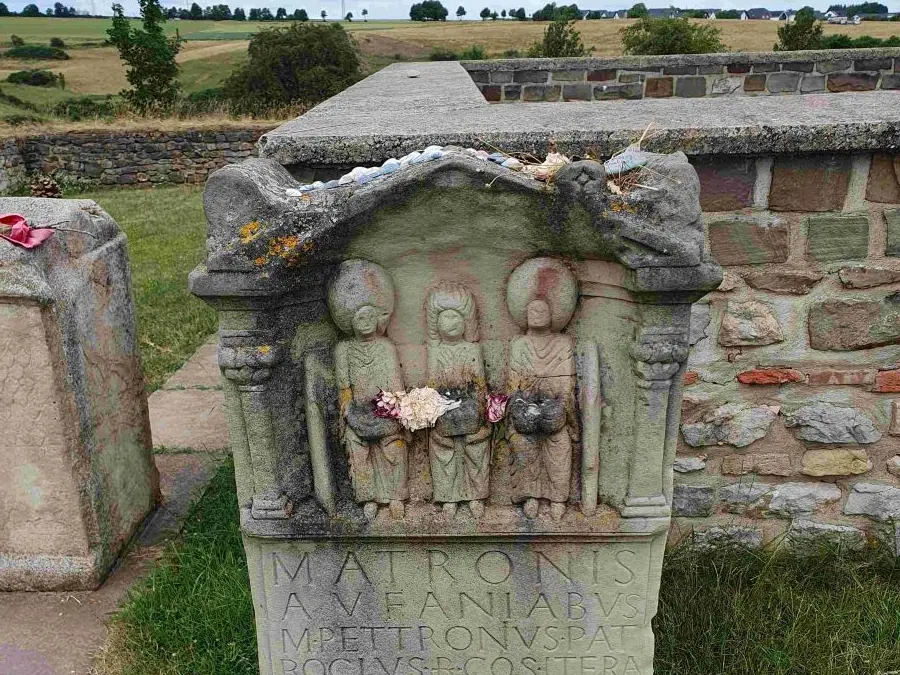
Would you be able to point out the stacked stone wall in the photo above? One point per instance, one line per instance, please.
(791, 418)
(686, 76)
(133, 158)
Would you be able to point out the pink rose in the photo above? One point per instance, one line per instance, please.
(386, 404)
(14, 229)
(496, 407)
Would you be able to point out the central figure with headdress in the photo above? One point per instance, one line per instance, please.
(459, 443)
(361, 301)
(541, 296)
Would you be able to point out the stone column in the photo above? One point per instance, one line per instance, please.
(247, 359)
(657, 355)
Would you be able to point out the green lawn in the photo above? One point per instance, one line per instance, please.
(166, 232)
(721, 613)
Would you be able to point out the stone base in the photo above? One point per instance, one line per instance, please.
(50, 572)
(523, 605)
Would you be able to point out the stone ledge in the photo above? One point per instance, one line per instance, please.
(410, 106)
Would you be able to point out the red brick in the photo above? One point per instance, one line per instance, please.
(601, 75)
(887, 381)
(884, 179)
(491, 93)
(809, 183)
(770, 376)
(832, 376)
(726, 184)
(690, 377)
(658, 87)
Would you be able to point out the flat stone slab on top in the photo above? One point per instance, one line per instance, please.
(390, 114)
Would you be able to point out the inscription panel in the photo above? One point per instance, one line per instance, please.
(458, 608)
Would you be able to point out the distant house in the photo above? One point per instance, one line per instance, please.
(663, 12)
(756, 13)
(787, 15)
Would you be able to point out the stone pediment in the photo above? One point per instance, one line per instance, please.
(654, 230)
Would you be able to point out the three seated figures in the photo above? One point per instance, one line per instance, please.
(542, 425)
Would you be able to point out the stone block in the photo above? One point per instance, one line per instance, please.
(890, 81)
(832, 66)
(822, 422)
(782, 83)
(531, 76)
(877, 501)
(835, 462)
(799, 499)
(492, 93)
(812, 83)
(693, 501)
(883, 184)
(658, 87)
(691, 377)
(893, 466)
(679, 70)
(604, 92)
(738, 68)
(844, 325)
(770, 376)
(894, 429)
(689, 464)
(726, 184)
(568, 75)
(735, 424)
(699, 322)
(766, 67)
(793, 282)
(798, 66)
(892, 223)
(500, 77)
(838, 376)
(838, 237)
(887, 381)
(749, 323)
(867, 277)
(631, 78)
(839, 82)
(810, 182)
(766, 464)
(541, 92)
(745, 493)
(78, 476)
(718, 536)
(578, 92)
(512, 92)
(690, 87)
(723, 86)
(748, 242)
(873, 64)
(808, 535)
(602, 75)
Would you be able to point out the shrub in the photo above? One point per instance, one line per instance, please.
(301, 63)
(59, 43)
(511, 54)
(841, 41)
(560, 39)
(36, 52)
(439, 54)
(33, 78)
(473, 53)
(670, 36)
(550, 12)
(77, 109)
(16, 41)
(149, 57)
(804, 32)
(638, 11)
(16, 120)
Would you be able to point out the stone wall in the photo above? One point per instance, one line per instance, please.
(791, 417)
(137, 158)
(686, 76)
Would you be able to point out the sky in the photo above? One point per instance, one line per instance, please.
(399, 9)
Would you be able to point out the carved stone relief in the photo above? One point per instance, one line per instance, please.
(361, 300)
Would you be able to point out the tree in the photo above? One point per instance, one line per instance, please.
(149, 57)
(4, 10)
(265, 14)
(323, 14)
(365, 14)
(301, 63)
(638, 11)
(550, 12)
(300, 15)
(671, 36)
(494, 15)
(281, 14)
(460, 12)
(728, 14)
(349, 17)
(196, 12)
(804, 32)
(520, 14)
(218, 13)
(866, 8)
(60, 10)
(428, 10)
(31, 10)
(254, 14)
(503, 13)
(239, 14)
(560, 39)
(485, 14)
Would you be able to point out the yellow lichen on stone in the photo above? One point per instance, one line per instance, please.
(264, 349)
(260, 261)
(250, 231)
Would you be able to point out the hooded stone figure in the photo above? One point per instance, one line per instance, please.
(459, 444)
(361, 301)
(541, 296)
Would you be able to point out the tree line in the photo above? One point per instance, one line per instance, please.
(58, 10)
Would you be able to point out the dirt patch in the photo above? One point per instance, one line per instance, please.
(192, 51)
(373, 44)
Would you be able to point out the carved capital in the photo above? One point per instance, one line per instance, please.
(249, 364)
(659, 353)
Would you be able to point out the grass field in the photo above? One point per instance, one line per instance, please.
(721, 613)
